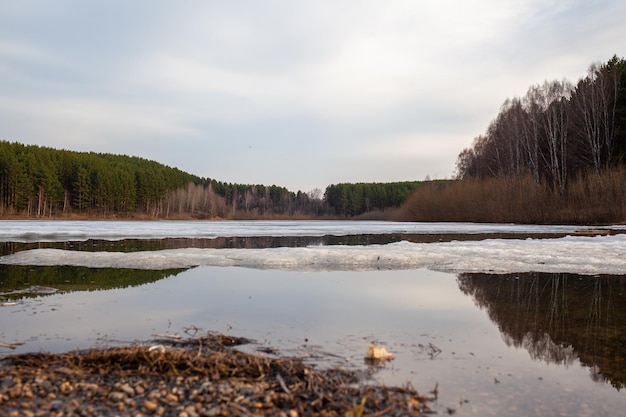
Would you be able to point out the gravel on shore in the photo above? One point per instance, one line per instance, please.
(203, 376)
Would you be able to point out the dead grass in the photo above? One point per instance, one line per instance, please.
(593, 198)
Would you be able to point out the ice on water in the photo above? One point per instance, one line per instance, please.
(60, 231)
(573, 254)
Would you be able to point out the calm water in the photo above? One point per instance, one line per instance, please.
(506, 345)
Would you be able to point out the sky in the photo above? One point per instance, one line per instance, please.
(300, 94)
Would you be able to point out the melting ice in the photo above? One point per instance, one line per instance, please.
(60, 231)
(572, 254)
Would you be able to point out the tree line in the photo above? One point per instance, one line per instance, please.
(556, 132)
(348, 199)
(40, 181)
(210, 199)
(556, 155)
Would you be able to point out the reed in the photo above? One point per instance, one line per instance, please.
(590, 198)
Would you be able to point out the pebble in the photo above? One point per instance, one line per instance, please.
(150, 405)
(128, 390)
(41, 391)
(87, 386)
(56, 405)
(117, 396)
(16, 390)
(213, 412)
(171, 398)
(66, 387)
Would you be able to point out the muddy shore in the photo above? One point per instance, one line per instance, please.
(201, 376)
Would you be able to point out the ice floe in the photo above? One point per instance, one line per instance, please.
(572, 254)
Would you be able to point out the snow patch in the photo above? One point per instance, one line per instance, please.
(572, 254)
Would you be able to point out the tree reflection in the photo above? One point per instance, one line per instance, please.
(15, 280)
(558, 318)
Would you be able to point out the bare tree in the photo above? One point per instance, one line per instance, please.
(531, 131)
(554, 100)
(594, 103)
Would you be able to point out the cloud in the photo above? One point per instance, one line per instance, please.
(10, 50)
(85, 123)
(411, 145)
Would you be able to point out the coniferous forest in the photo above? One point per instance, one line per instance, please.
(38, 182)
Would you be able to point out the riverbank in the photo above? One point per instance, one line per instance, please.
(180, 216)
(593, 198)
(202, 376)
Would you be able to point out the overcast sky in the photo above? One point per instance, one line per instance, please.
(301, 94)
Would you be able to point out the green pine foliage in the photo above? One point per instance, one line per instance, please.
(45, 182)
(349, 200)
(40, 181)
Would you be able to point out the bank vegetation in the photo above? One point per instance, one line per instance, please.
(556, 155)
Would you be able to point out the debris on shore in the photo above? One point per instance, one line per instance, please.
(200, 376)
(378, 353)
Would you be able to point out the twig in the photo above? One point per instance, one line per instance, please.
(282, 384)
(199, 348)
(434, 351)
(379, 413)
(191, 330)
(239, 408)
(10, 345)
(168, 336)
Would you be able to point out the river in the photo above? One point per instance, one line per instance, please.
(506, 320)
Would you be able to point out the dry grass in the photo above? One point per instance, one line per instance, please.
(589, 199)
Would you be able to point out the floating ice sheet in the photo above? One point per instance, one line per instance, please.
(60, 231)
(573, 254)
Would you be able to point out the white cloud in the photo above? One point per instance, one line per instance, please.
(412, 145)
(22, 52)
(74, 123)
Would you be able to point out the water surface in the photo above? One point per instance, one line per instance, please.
(522, 343)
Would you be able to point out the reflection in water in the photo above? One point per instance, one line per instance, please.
(15, 281)
(559, 318)
(254, 242)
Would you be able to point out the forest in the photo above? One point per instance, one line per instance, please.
(557, 131)
(347, 199)
(556, 155)
(38, 182)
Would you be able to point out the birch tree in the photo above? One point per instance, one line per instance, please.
(554, 99)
